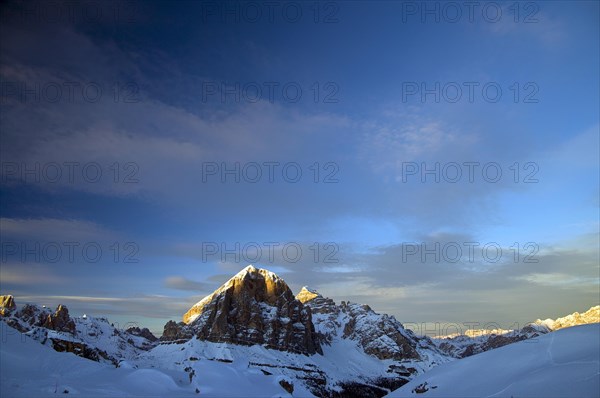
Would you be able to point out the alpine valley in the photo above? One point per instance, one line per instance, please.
(252, 337)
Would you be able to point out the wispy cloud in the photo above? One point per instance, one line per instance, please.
(561, 280)
(52, 229)
(181, 283)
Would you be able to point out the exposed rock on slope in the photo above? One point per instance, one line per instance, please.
(7, 305)
(88, 337)
(307, 294)
(176, 332)
(143, 332)
(464, 346)
(253, 307)
(60, 320)
(381, 336)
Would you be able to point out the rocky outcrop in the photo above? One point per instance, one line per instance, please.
(60, 320)
(307, 294)
(7, 305)
(253, 307)
(32, 315)
(287, 386)
(144, 332)
(464, 346)
(381, 336)
(82, 350)
(176, 332)
(88, 337)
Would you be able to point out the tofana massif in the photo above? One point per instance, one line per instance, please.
(254, 337)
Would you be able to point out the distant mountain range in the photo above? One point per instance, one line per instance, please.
(478, 341)
(254, 337)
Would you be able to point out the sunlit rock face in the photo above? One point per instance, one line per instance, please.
(307, 294)
(7, 305)
(253, 307)
(60, 320)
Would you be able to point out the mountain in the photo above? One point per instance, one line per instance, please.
(254, 307)
(590, 316)
(88, 337)
(565, 363)
(253, 337)
(478, 341)
(381, 336)
(351, 349)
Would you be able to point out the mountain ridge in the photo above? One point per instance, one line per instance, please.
(253, 325)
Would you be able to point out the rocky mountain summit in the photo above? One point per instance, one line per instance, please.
(256, 307)
(253, 307)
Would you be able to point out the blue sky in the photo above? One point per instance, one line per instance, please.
(164, 93)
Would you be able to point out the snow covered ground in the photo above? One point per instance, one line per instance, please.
(30, 369)
(565, 363)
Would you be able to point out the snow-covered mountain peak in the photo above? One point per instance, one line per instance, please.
(249, 281)
(590, 316)
(251, 272)
(307, 294)
(477, 341)
(255, 306)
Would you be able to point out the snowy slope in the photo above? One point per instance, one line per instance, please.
(361, 353)
(30, 369)
(230, 370)
(480, 340)
(565, 363)
(92, 338)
